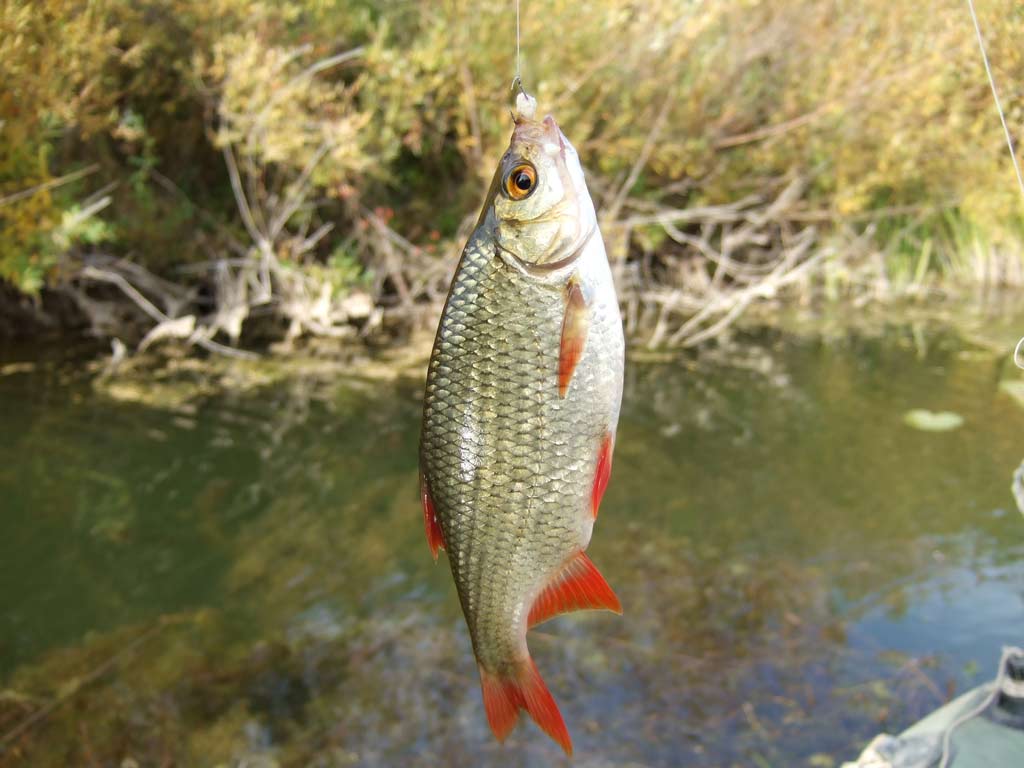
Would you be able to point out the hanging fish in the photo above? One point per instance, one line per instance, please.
(519, 416)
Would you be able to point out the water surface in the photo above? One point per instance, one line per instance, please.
(243, 577)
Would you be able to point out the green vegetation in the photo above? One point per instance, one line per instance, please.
(310, 166)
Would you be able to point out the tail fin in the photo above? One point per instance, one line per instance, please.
(505, 695)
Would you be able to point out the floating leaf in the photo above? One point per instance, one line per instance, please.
(929, 421)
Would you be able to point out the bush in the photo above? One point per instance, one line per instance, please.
(345, 107)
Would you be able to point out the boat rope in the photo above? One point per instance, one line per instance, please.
(1002, 683)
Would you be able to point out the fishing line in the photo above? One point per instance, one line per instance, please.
(518, 79)
(1018, 352)
(518, 72)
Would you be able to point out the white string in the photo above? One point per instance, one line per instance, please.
(995, 96)
(1018, 353)
(518, 72)
(1009, 652)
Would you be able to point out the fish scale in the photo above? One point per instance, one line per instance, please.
(508, 460)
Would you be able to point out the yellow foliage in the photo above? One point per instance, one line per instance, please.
(879, 102)
(274, 110)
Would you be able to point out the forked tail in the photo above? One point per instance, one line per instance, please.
(523, 688)
(577, 586)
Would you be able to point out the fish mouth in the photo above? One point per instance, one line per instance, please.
(542, 132)
(549, 121)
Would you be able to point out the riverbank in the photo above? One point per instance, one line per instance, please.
(170, 374)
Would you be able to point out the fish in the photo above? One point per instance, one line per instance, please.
(520, 412)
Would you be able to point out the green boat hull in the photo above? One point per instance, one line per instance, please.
(983, 728)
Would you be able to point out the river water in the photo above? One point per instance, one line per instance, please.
(241, 576)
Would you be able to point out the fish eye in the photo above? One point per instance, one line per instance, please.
(520, 181)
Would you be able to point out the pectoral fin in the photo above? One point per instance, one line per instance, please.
(575, 325)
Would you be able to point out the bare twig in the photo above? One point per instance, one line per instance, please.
(68, 691)
(60, 181)
(300, 191)
(240, 199)
(107, 276)
(325, 64)
(643, 156)
(743, 299)
(710, 213)
(472, 111)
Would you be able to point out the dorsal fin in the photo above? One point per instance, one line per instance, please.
(579, 586)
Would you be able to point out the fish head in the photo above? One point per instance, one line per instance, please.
(543, 213)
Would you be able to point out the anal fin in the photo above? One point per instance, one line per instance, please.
(435, 537)
(578, 587)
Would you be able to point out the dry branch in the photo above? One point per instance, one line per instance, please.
(729, 257)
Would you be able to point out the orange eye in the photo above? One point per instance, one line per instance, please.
(520, 181)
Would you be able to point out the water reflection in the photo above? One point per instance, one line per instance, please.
(799, 569)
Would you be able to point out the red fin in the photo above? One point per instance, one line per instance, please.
(505, 696)
(602, 473)
(580, 586)
(435, 537)
(574, 334)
